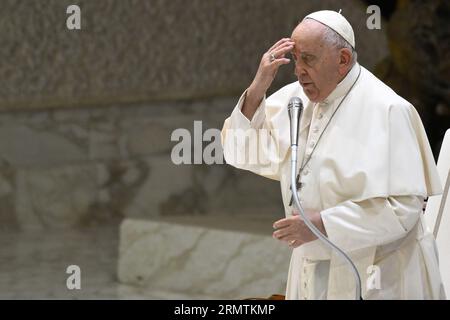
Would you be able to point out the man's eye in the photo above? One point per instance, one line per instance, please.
(307, 58)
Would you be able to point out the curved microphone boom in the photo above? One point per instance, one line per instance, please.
(295, 109)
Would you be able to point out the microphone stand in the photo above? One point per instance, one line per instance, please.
(309, 224)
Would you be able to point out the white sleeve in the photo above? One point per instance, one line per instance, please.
(372, 222)
(250, 145)
(237, 120)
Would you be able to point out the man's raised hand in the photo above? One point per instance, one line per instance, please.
(268, 66)
(267, 70)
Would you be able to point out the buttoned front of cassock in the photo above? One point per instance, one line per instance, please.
(320, 116)
(375, 219)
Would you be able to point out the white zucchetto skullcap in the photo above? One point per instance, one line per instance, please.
(335, 21)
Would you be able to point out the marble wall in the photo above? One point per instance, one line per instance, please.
(214, 257)
(68, 168)
(131, 51)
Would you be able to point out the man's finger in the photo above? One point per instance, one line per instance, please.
(279, 62)
(283, 233)
(282, 51)
(283, 223)
(278, 43)
(288, 238)
(294, 245)
(283, 45)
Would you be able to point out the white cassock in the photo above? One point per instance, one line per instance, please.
(368, 176)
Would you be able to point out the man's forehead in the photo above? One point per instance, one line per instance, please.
(302, 47)
(307, 36)
(303, 52)
(308, 31)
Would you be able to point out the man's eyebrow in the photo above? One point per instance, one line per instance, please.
(306, 53)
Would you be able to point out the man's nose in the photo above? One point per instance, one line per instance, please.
(299, 71)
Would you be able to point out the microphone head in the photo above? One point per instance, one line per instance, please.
(295, 109)
(295, 101)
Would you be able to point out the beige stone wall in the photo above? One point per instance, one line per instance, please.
(80, 167)
(141, 50)
(208, 258)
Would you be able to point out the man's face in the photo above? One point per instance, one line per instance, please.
(316, 63)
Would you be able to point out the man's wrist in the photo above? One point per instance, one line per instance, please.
(252, 101)
(255, 95)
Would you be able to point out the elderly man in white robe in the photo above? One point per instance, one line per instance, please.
(365, 168)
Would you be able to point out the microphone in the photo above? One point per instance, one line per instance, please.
(295, 110)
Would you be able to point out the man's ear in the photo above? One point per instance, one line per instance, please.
(345, 59)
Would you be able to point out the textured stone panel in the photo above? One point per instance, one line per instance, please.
(207, 257)
(133, 50)
(202, 190)
(78, 167)
(54, 137)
